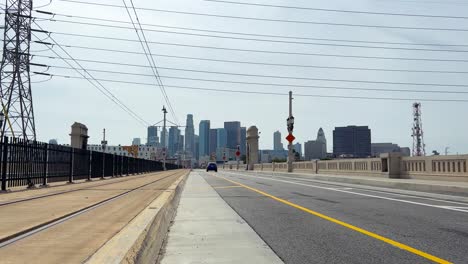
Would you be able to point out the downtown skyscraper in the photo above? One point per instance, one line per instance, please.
(204, 138)
(277, 144)
(190, 136)
(233, 134)
(174, 141)
(152, 139)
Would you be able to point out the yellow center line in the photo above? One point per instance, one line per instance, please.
(336, 221)
(225, 187)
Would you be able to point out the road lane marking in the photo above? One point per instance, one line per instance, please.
(384, 192)
(226, 187)
(451, 208)
(344, 224)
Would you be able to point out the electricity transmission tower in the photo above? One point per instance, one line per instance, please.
(15, 93)
(418, 134)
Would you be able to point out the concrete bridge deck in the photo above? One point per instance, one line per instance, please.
(69, 223)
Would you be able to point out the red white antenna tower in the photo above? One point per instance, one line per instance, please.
(418, 134)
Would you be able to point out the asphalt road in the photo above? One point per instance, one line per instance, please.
(308, 222)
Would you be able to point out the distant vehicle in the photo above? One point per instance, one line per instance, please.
(212, 167)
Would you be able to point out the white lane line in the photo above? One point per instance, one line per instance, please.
(383, 192)
(465, 209)
(361, 194)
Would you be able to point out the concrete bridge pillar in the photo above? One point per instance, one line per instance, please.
(391, 163)
(79, 136)
(252, 147)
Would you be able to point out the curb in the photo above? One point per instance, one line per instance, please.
(141, 240)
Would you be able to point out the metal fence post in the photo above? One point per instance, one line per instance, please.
(121, 166)
(90, 157)
(46, 152)
(113, 165)
(70, 177)
(103, 165)
(4, 163)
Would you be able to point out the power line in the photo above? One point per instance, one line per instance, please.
(256, 34)
(280, 65)
(277, 77)
(424, 2)
(267, 51)
(271, 93)
(150, 58)
(339, 10)
(248, 39)
(109, 94)
(270, 20)
(272, 84)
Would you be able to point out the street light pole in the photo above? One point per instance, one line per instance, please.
(163, 140)
(104, 144)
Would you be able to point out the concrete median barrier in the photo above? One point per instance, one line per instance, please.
(141, 240)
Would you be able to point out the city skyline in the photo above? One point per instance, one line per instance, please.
(321, 134)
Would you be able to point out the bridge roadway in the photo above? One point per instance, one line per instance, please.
(68, 223)
(305, 221)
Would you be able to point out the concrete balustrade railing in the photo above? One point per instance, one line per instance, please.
(390, 165)
(451, 167)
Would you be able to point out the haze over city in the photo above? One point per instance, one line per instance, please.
(234, 131)
(59, 102)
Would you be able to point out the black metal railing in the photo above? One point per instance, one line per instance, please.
(29, 163)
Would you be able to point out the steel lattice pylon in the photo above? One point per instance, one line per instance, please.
(418, 134)
(15, 82)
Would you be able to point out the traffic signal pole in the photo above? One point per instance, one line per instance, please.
(290, 124)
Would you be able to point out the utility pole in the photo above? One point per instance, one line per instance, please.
(163, 138)
(104, 145)
(290, 138)
(15, 83)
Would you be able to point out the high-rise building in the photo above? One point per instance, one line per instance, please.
(190, 136)
(233, 134)
(277, 144)
(204, 138)
(221, 138)
(153, 139)
(380, 148)
(352, 141)
(221, 143)
(180, 147)
(173, 142)
(196, 148)
(213, 141)
(321, 137)
(243, 141)
(298, 148)
(314, 149)
(136, 142)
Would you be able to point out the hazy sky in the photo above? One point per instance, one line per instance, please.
(60, 102)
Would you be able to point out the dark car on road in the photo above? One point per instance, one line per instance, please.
(212, 167)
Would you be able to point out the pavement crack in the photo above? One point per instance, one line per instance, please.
(266, 184)
(301, 194)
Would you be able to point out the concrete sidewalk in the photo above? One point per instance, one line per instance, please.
(441, 187)
(207, 230)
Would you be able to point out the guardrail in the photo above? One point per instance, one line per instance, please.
(27, 163)
(449, 168)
